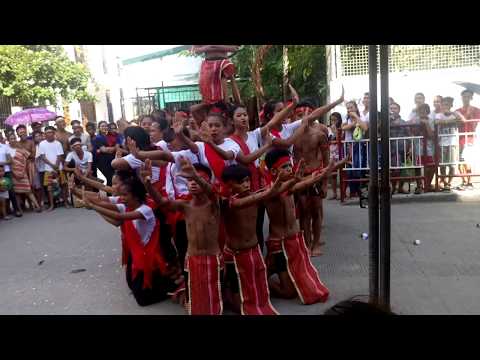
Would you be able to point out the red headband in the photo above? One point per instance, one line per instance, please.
(216, 109)
(281, 161)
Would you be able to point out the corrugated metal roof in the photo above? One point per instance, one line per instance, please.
(156, 55)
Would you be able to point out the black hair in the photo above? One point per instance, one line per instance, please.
(338, 123)
(305, 103)
(448, 100)
(420, 94)
(91, 124)
(140, 136)
(75, 140)
(218, 116)
(59, 117)
(356, 107)
(124, 174)
(21, 126)
(162, 123)
(47, 128)
(75, 121)
(158, 115)
(269, 109)
(366, 94)
(102, 122)
(136, 188)
(233, 108)
(235, 172)
(2, 166)
(355, 307)
(466, 91)
(36, 132)
(425, 108)
(396, 104)
(275, 154)
(141, 117)
(203, 168)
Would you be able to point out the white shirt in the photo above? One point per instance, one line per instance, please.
(227, 145)
(51, 150)
(254, 139)
(4, 150)
(144, 226)
(136, 164)
(287, 131)
(162, 144)
(348, 120)
(82, 163)
(85, 138)
(174, 183)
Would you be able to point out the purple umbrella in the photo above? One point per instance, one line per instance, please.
(29, 116)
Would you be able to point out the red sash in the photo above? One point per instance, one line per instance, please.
(255, 174)
(144, 258)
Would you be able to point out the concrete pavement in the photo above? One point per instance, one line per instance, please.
(439, 276)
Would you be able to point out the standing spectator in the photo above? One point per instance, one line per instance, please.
(6, 161)
(469, 112)
(427, 122)
(62, 134)
(79, 158)
(5, 185)
(51, 153)
(397, 147)
(354, 123)
(365, 113)
(91, 129)
(419, 100)
(448, 128)
(21, 182)
(334, 126)
(28, 146)
(36, 126)
(78, 133)
(37, 183)
(105, 149)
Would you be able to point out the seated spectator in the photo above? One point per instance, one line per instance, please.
(78, 158)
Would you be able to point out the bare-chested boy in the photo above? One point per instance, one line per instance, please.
(246, 275)
(313, 147)
(203, 263)
(214, 71)
(287, 253)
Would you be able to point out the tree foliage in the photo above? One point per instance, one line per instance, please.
(37, 74)
(306, 70)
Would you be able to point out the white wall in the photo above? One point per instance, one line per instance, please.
(403, 86)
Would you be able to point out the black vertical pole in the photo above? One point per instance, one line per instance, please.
(385, 182)
(373, 185)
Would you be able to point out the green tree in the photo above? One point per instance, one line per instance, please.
(37, 74)
(306, 70)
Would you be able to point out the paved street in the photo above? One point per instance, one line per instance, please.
(439, 276)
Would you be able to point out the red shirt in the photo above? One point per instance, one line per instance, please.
(474, 113)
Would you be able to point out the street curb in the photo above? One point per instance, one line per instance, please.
(453, 196)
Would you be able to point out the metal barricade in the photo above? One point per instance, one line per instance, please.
(451, 150)
(406, 156)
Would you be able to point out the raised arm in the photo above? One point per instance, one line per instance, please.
(199, 112)
(325, 173)
(146, 176)
(189, 172)
(279, 117)
(247, 159)
(152, 155)
(257, 197)
(292, 139)
(235, 91)
(319, 112)
(178, 128)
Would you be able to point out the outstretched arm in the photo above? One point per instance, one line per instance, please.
(92, 183)
(189, 172)
(257, 197)
(247, 159)
(319, 112)
(325, 173)
(279, 117)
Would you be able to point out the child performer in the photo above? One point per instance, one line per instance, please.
(245, 269)
(140, 230)
(287, 253)
(203, 263)
(214, 70)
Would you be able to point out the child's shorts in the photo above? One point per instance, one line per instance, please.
(49, 176)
